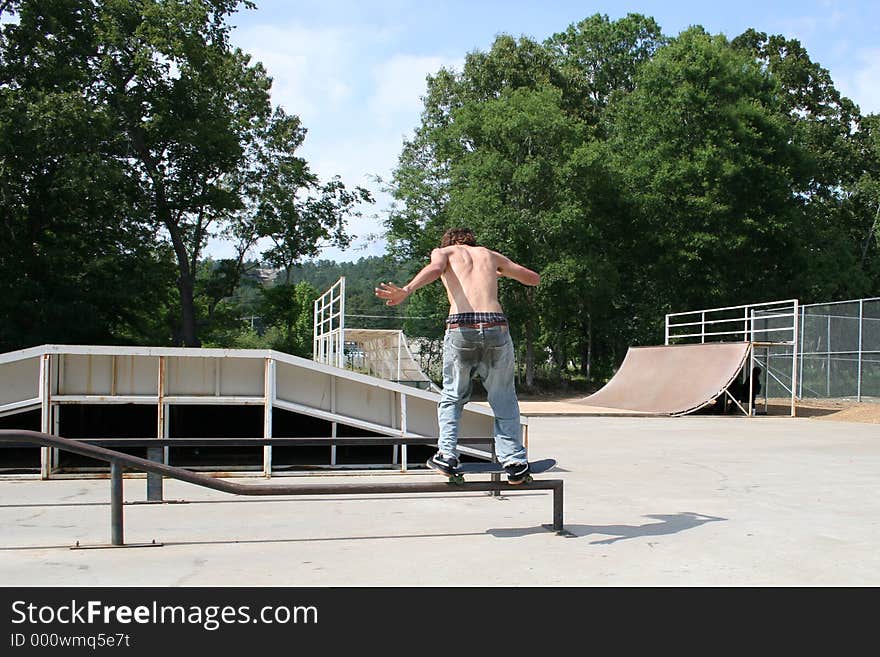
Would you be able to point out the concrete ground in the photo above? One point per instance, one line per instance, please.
(690, 501)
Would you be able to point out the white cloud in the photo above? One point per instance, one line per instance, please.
(832, 41)
(310, 69)
(358, 158)
(401, 84)
(358, 161)
(807, 27)
(861, 82)
(356, 105)
(358, 97)
(800, 27)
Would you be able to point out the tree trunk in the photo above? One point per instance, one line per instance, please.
(186, 287)
(186, 280)
(587, 354)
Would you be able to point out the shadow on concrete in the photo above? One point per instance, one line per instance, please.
(316, 539)
(669, 524)
(802, 410)
(257, 541)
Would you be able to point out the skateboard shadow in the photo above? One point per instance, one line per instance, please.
(668, 524)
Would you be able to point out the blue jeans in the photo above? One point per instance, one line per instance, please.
(489, 353)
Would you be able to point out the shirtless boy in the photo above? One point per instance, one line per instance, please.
(477, 341)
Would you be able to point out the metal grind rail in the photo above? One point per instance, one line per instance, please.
(118, 461)
(155, 448)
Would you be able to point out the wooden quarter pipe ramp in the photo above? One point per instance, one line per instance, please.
(671, 379)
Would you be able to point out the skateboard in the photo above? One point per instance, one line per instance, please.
(535, 467)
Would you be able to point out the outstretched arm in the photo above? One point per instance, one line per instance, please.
(394, 295)
(508, 268)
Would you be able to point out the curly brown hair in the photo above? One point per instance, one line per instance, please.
(458, 236)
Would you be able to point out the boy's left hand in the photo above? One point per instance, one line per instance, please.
(392, 294)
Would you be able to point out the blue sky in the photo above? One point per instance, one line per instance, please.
(354, 71)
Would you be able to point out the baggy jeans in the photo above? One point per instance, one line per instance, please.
(489, 353)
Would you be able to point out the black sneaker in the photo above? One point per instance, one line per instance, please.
(517, 473)
(446, 465)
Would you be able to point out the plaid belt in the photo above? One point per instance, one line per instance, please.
(480, 325)
(476, 320)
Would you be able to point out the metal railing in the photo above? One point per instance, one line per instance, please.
(156, 448)
(118, 461)
(737, 322)
(329, 326)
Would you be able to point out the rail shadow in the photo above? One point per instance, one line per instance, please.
(668, 524)
(264, 541)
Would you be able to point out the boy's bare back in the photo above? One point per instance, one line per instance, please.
(471, 279)
(470, 275)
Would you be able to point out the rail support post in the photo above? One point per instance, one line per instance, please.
(496, 479)
(557, 508)
(117, 534)
(154, 479)
(116, 526)
(558, 499)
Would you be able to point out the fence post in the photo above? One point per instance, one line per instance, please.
(45, 395)
(340, 355)
(794, 359)
(828, 356)
(861, 325)
(801, 347)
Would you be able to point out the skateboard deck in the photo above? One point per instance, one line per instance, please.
(535, 467)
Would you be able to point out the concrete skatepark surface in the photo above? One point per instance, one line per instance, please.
(649, 501)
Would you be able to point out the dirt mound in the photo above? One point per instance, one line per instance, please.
(826, 409)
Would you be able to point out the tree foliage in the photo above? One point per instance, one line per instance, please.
(77, 261)
(829, 132)
(705, 154)
(640, 174)
(172, 126)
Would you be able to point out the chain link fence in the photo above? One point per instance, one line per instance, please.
(839, 353)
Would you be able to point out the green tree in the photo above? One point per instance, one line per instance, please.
(865, 198)
(511, 147)
(597, 58)
(705, 153)
(184, 123)
(641, 174)
(77, 262)
(827, 127)
(286, 311)
(287, 203)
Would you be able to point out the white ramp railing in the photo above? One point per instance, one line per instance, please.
(772, 321)
(328, 345)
